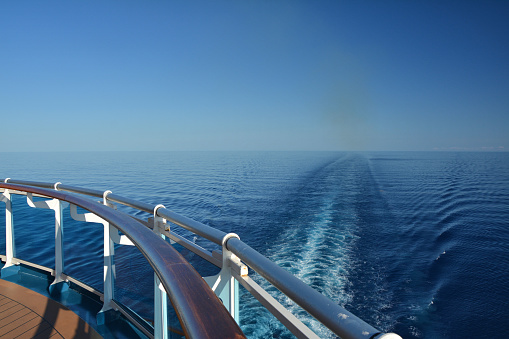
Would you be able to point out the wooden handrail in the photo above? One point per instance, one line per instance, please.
(201, 313)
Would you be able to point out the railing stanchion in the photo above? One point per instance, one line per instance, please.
(59, 241)
(59, 285)
(160, 297)
(107, 313)
(110, 233)
(58, 206)
(224, 285)
(109, 267)
(10, 245)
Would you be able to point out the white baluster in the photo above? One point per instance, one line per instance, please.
(160, 298)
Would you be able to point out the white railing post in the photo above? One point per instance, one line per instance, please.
(224, 285)
(59, 241)
(109, 260)
(10, 245)
(57, 206)
(160, 297)
(109, 267)
(107, 312)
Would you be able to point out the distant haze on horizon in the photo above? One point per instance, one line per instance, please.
(254, 75)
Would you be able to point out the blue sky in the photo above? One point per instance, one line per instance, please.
(254, 75)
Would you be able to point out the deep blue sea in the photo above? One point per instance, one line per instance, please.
(414, 243)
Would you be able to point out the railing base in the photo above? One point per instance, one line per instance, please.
(9, 271)
(107, 317)
(56, 290)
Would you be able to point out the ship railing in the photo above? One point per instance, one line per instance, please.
(233, 260)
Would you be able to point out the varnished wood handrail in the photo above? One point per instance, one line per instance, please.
(201, 313)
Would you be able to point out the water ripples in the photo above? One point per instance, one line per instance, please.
(455, 208)
(414, 243)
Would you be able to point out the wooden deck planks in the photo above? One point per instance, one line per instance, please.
(27, 314)
(9, 308)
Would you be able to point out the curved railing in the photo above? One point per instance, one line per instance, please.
(201, 319)
(186, 289)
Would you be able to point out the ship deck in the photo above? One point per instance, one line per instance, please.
(28, 314)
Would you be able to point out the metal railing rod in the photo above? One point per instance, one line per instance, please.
(149, 208)
(61, 187)
(127, 312)
(31, 183)
(336, 318)
(286, 318)
(189, 224)
(194, 226)
(198, 250)
(80, 190)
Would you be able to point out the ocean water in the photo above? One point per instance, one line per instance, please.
(414, 243)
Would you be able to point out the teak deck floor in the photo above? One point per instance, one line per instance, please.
(28, 314)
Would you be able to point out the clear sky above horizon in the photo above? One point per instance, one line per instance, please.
(254, 75)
